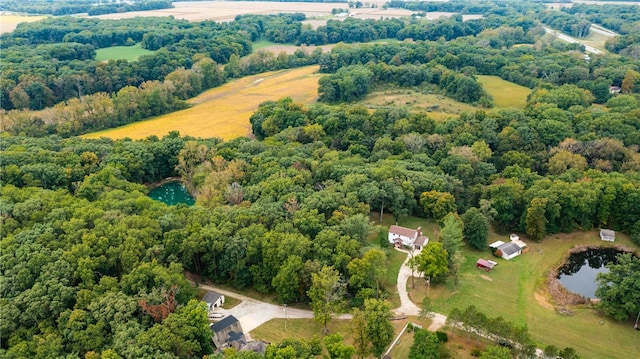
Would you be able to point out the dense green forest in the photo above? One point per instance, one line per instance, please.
(88, 260)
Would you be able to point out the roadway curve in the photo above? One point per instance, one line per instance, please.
(252, 313)
(571, 40)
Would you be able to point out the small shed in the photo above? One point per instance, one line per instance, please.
(485, 264)
(213, 300)
(508, 250)
(607, 235)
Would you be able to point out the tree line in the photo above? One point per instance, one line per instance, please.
(70, 7)
(45, 60)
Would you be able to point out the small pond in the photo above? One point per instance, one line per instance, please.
(579, 273)
(172, 193)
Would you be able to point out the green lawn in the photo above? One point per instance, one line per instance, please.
(275, 330)
(129, 53)
(261, 44)
(505, 94)
(515, 290)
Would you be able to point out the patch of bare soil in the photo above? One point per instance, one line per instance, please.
(486, 278)
(543, 301)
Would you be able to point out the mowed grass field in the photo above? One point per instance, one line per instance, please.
(515, 290)
(505, 93)
(224, 111)
(129, 53)
(8, 23)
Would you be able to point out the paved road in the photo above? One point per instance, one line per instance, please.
(407, 307)
(571, 40)
(252, 313)
(603, 31)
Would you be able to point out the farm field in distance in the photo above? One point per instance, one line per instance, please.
(224, 111)
(129, 53)
(228, 10)
(8, 23)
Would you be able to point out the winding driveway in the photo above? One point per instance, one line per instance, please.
(252, 313)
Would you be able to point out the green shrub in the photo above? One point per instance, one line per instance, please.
(442, 337)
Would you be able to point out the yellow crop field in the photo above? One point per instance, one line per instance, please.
(505, 93)
(224, 111)
(8, 23)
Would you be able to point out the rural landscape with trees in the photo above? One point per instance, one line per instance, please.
(469, 123)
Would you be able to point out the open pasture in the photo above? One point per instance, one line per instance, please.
(438, 106)
(8, 23)
(129, 53)
(505, 93)
(516, 291)
(224, 111)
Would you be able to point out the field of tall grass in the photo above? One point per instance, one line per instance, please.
(224, 111)
(505, 93)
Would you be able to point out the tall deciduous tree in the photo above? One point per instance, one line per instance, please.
(476, 228)
(336, 347)
(438, 204)
(379, 328)
(619, 290)
(287, 281)
(432, 261)
(370, 269)
(535, 221)
(359, 333)
(326, 294)
(425, 345)
(451, 235)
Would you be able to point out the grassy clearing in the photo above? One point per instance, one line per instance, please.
(129, 53)
(438, 106)
(224, 111)
(596, 40)
(515, 290)
(505, 93)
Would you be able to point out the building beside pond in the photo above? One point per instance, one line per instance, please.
(607, 235)
(508, 250)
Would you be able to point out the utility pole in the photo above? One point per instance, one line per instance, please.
(285, 316)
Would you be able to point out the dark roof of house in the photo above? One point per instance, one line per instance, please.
(211, 297)
(402, 231)
(224, 323)
(509, 248)
(233, 336)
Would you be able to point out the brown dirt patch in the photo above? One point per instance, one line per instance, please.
(486, 278)
(543, 301)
